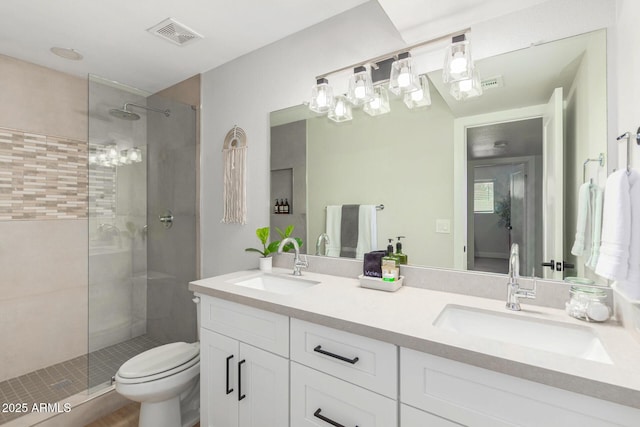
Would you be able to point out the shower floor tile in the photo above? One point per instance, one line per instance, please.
(56, 382)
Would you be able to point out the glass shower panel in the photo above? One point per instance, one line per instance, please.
(140, 163)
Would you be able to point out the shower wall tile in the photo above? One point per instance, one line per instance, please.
(53, 322)
(39, 257)
(42, 177)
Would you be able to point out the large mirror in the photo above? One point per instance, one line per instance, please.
(461, 180)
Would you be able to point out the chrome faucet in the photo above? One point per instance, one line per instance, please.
(514, 293)
(323, 237)
(298, 263)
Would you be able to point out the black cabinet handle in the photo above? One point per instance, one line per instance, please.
(240, 395)
(228, 390)
(567, 265)
(325, 419)
(551, 264)
(319, 349)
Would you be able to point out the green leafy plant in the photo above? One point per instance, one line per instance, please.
(503, 209)
(269, 248)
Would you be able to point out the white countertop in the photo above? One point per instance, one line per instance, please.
(405, 318)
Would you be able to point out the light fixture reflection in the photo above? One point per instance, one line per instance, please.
(341, 110)
(379, 104)
(321, 96)
(467, 88)
(421, 97)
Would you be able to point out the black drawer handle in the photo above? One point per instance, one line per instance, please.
(228, 390)
(325, 419)
(319, 349)
(240, 395)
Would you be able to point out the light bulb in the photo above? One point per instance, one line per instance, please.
(102, 156)
(466, 85)
(458, 63)
(360, 91)
(93, 158)
(404, 78)
(322, 98)
(417, 95)
(112, 152)
(375, 103)
(340, 108)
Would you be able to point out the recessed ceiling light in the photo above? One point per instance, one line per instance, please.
(66, 53)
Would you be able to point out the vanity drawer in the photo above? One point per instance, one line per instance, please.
(263, 329)
(469, 395)
(316, 395)
(363, 361)
(412, 417)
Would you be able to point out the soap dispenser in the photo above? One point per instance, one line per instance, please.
(390, 265)
(402, 258)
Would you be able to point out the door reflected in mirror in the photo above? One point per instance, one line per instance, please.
(462, 180)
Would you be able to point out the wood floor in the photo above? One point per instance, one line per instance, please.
(127, 416)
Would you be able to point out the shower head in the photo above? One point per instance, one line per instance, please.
(124, 113)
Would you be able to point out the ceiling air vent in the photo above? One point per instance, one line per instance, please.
(175, 32)
(492, 83)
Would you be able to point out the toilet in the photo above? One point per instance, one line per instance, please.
(166, 381)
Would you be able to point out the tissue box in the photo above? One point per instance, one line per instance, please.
(375, 283)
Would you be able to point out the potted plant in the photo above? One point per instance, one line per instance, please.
(269, 248)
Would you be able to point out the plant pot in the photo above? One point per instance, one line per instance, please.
(266, 263)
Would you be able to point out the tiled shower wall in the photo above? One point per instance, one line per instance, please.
(42, 177)
(43, 224)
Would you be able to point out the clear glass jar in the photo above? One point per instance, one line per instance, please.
(587, 303)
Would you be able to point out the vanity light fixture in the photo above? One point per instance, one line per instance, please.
(134, 155)
(403, 78)
(421, 97)
(340, 110)
(360, 86)
(467, 88)
(379, 104)
(457, 61)
(321, 96)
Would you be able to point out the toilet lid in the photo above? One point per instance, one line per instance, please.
(159, 359)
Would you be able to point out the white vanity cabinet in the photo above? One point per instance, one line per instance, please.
(341, 379)
(449, 391)
(243, 385)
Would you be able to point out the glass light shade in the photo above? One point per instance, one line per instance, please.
(124, 158)
(468, 88)
(112, 151)
(360, 86)
(134, 155)
(403, 78)
(341, 110)
(379, 104)
(321, 97)
(457, 61)
(421, 97)
(93, 157)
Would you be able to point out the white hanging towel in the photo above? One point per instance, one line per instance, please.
(367, 230)
(584, 202)
(620, 250)
(334, 219)
(597, 196)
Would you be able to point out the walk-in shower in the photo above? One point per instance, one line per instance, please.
(137, 270)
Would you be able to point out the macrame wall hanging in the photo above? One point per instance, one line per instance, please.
(235, 177)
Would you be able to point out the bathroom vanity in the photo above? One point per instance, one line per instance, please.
(319, 350)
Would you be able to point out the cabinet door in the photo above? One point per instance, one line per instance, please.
(219, 357)
(264, 386)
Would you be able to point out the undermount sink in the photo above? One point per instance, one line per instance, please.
(569, 340)
(274, 283)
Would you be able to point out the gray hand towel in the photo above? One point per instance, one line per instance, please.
(349, 231)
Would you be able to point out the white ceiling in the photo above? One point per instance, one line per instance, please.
(112, 36)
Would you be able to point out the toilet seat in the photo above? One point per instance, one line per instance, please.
(159, 362)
